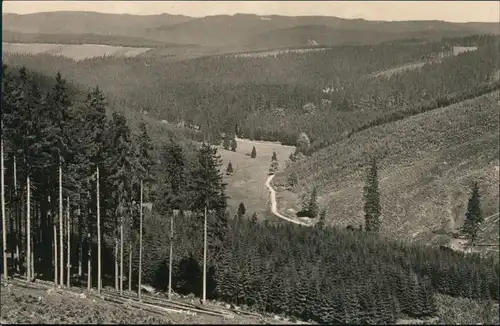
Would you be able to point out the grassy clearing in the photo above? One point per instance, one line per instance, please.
(246, 184)
(397, 70)
(427, 163)
(263, 54)
(456, 50)
(73, 51)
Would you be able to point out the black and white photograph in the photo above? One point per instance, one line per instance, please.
(250, 162)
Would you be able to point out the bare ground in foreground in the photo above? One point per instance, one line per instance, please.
(36, 304)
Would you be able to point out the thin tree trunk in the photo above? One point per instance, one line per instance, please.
(22, 223)
(18, 218)
(28, 228)
(205, 258)
(171, 256)
(32, 261)
(80, 239)
(56, 266)
(117, 272)
(121, 250)
(34, 241)
(12, 229)
(68, 241)
(61, 230)
(54, 242)
(80, 256)
(140, 247)
(89, 266)
(99, 280)
(88, 237)
(4, 217)
(130, 266)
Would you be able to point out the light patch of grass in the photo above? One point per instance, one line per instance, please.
(73, 51)
(246, 184)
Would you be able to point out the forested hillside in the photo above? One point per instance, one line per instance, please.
(427, 164)
(322, 273)
(327, 94)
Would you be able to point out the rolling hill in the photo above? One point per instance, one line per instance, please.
(82, 38)
(82, 22)
(233, 33)
(427, 163)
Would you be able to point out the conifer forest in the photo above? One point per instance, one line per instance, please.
(210, 173)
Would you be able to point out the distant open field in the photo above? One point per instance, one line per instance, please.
(74, 51)
(276, 52)
(456, 50)
(246, 184)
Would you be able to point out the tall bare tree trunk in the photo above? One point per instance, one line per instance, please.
(171, 256)
(61, 229)
(68, 241)
(89, 266)
(121, 251)
(34, 243)
(12, 228)
(18, 218)
(117, 267)
(129, 239)
(32, 261)
(88, 239)
(140, 247)
(28, 228)
(80, 238)
(99, 281)
(204, 299)
(80, 257)
(4, 218)
(54, 242)
(130, 266)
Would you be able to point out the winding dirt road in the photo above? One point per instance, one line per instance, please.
(274, 204)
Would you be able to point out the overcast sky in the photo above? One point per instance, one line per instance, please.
(455, 11)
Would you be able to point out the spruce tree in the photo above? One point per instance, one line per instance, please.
(292, 179)
(274, 157)
(207, 189)
(227, 141)
(175, 181)
(120, 165)
(474, 216)
(145, 146)
(254, 218)
(254, 153)
(229, 169)
(234, 144)
(322, 219)
(313, 207)
(372, 200)
(274, 167)
(241, 210)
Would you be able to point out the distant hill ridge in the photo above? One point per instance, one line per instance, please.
(239, 30)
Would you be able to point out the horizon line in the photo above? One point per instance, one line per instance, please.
(247, 14)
